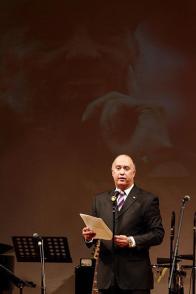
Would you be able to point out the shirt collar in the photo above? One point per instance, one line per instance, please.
(127, 191)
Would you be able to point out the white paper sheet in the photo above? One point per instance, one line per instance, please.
(98, 226)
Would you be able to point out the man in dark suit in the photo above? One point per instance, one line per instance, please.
(125, 268)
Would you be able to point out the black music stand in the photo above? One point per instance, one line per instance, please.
(42, 249)
(56, 249)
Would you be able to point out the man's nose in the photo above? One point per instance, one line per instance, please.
(82, 45)
(122, 171)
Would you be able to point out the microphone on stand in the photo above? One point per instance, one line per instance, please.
(42, 260)
(186, 198)
(37, 236)
(172, 276)
(114, 206)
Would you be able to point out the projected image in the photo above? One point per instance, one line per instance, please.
(88, 68)
(81, 83)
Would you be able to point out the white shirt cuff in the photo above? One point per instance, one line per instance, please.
(132, 241)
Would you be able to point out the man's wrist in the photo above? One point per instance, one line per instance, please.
(131, 242)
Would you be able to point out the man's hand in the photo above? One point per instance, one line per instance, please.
(121, 240)
(88, 234)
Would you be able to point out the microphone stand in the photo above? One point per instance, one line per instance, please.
(113, 220)
(172, 233)
(176, 247)
(113, 223)
(194, 265)
(42, 259)
(114, 207)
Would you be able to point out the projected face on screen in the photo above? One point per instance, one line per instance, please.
(87, 67)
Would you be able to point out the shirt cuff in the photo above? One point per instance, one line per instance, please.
(132, 242)
(89, 241)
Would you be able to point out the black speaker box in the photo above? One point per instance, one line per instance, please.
(84, 279)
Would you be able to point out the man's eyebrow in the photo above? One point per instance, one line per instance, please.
(124, 166)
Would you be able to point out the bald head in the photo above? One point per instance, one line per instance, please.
(123, 157)
(123, 171)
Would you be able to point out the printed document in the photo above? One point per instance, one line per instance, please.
(98, 226)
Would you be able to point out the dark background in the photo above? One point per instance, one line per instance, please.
(82, 81)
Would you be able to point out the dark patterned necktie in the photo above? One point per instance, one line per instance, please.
(121, 200)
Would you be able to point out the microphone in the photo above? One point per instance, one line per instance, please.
(37, 236)
(114, 196)
(186, 198)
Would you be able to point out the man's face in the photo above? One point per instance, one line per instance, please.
(123, 172)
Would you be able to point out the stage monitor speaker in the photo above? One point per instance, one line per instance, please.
(84, 279)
